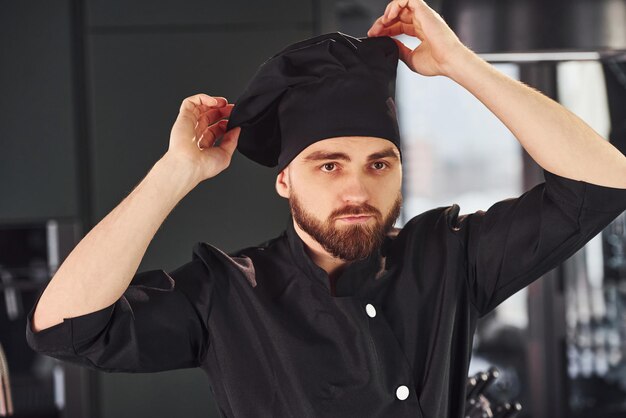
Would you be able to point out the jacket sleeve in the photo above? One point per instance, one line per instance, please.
(159, 323)
(517, 240)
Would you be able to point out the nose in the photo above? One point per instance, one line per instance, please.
(355, 189)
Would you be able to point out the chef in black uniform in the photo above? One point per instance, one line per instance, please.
(342, 314)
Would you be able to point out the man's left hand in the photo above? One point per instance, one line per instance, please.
(440, 47)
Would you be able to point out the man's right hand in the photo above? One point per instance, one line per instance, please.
(195, 131)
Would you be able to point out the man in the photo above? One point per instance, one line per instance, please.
(341, 315)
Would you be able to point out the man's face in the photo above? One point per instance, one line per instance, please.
(336, 178)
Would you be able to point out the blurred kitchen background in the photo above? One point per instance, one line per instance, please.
(89, 90)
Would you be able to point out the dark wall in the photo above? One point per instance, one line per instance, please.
(37, 125)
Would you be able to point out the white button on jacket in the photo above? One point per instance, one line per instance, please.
(402, 392)
(371, 311)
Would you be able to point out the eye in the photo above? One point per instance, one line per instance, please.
(327, 165)
(379, 165)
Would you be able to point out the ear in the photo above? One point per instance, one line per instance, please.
(282, 183)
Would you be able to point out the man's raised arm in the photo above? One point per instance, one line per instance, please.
(558, 140)
(99, 269)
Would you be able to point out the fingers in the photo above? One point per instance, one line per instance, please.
(402, 22)
(397, 28)
(208, 137)
(201, 99)
(229, 141)
(406, 12)
(405, 53)
(394, 8)
(211, 116)
(386, 12)
(217, 130)
(192, 107)
(392, 11)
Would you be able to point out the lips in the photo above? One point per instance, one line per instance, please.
(356, 218)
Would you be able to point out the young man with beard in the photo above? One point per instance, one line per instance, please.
(341, 315)
(342, 220)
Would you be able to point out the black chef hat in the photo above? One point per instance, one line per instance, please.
(326, 86)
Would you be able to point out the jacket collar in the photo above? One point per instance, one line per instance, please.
(351, 279)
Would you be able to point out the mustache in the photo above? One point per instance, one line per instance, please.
(362, 210)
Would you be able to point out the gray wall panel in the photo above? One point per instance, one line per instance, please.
(37, 137)
(179, 393)
(196, 12)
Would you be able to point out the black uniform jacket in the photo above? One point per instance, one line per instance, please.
(394, 341)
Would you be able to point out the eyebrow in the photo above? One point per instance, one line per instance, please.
(325, 155)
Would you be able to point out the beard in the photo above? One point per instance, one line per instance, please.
(350, 242)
